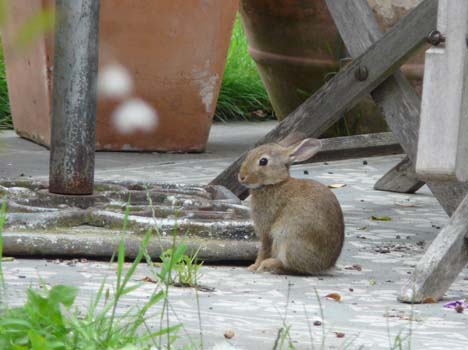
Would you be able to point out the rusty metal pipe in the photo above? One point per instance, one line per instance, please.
(73, 134)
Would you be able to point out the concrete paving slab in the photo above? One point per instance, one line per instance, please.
(20, 157)
(377, 258)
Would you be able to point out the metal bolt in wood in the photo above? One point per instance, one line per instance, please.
(361, 73)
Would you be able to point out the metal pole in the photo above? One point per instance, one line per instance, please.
(73, 135)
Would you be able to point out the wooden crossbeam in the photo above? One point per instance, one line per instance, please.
(365, 145)
(344, 91)
(401, 178)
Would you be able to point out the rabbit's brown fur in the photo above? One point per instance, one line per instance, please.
(299, 222)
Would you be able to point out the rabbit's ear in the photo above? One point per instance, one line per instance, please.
(304, 150)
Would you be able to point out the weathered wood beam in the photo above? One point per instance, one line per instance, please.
(366, 145)
(396, 97)
(443, 127)
(345, 90)
(401, 178)
(443, 261)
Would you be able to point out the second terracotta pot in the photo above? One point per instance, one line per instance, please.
(297, 48)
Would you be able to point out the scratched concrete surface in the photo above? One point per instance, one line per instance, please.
(377, 258)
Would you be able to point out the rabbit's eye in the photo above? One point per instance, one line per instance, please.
(263, 162)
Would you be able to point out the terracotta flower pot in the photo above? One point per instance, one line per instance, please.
(297, 48)
(175, 51)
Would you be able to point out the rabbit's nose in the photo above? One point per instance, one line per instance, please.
(241, 178)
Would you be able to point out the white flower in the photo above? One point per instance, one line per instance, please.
(114, 81)
(135, 114)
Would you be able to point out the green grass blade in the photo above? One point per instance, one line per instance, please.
(120, 264)
(242, 91)
(161, 332)
(15, 323)
(128, 290)
(2, 224)
(141, 253)
(179, 252)
(94, 302)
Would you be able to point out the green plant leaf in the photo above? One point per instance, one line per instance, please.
(61, 294)
(38, 342)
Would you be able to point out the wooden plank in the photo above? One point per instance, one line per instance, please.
(442, 262)
(357, 146)
(444, 102)
(396, 97)
(342, 92)
(401, 178)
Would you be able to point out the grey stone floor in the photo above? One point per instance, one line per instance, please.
(377, 258)
(227, 141)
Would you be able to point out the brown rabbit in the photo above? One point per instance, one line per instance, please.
(299, 222)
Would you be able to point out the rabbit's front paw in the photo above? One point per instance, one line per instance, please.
(253, 267)
(271, 264)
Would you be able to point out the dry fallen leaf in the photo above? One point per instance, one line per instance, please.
(259, 113)
(148, 279)
(459, 309)
(229, 334)
(356, 267)
(429, 300)
(381, 218)
(336, 185)
(333, 296)
(8, 258)
(339, 334)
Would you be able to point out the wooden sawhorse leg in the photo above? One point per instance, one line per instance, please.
(401, 178)
(448, 254)
(443, 261)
